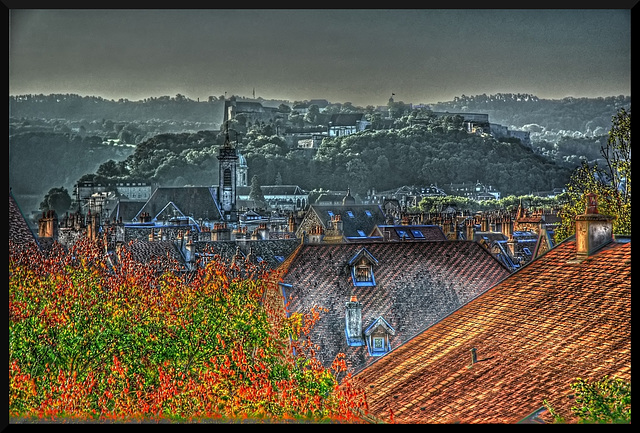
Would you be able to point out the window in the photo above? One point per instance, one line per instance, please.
(362, 268)
(280, 259)
(350, 214)
(378, 343)
(361, 233)
(363, 272)
(330, 213)
(417, 234)
(227, 177)
(368, 212)
(377, 337)
(402, 233)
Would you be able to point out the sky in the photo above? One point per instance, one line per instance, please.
(362, 56)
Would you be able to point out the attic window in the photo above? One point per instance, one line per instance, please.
(280, 259)
(362, 268)
(368, 213)
(361, 233)
(350, 214)
(330, 213)
(377, 337)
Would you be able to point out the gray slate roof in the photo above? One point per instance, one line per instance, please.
(417, 284)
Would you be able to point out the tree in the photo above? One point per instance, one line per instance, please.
(256, 193)
(57, 199)
(607, 401)
(278, 179)
(109, 169)
(611, 183)
(109, 338)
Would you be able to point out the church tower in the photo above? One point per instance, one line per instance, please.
(227, 161)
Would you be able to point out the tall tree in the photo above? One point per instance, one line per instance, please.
(57, 199)
(611, 182)
(256, 193)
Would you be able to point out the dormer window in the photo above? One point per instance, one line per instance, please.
(362, 268)
(377, 337)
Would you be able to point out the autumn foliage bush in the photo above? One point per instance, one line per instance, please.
(97, 336)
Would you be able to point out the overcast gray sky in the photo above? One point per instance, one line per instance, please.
(358, 56)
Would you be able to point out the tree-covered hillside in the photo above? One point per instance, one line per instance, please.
(65, 137)
(41, 160)
(91, 108)
(416, 155)
(545, 119)
(382, 160)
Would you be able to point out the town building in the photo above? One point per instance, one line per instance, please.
(498, 358)
(374, 296)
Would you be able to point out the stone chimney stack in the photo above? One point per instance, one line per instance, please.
(220, 232)
(507, 227)
(189, 250)
(263, 232)
(316, 235)
(353, 323)
(484, 224)
(593, 230)
(337, 224)
(469, 224)
(292, 223)
(48, 225)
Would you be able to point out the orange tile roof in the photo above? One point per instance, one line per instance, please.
(535, 332)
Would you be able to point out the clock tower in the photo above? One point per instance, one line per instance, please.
(227, 161)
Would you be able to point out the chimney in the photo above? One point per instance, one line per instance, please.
(263, 232)
(316, 235)
(484, 224)
(220, 232)
(593, 230)
(48, 225)
(353, 322)
(470, 228)
(292, 223)
(337, 224)
(474, 356)
(507, 228)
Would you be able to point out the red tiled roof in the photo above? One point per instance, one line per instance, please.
(417, 284)
(535, 332)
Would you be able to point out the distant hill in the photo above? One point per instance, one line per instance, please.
(56, 139)
(545, 119)
(39, 161)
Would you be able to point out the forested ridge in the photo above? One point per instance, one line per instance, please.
(167, 145)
